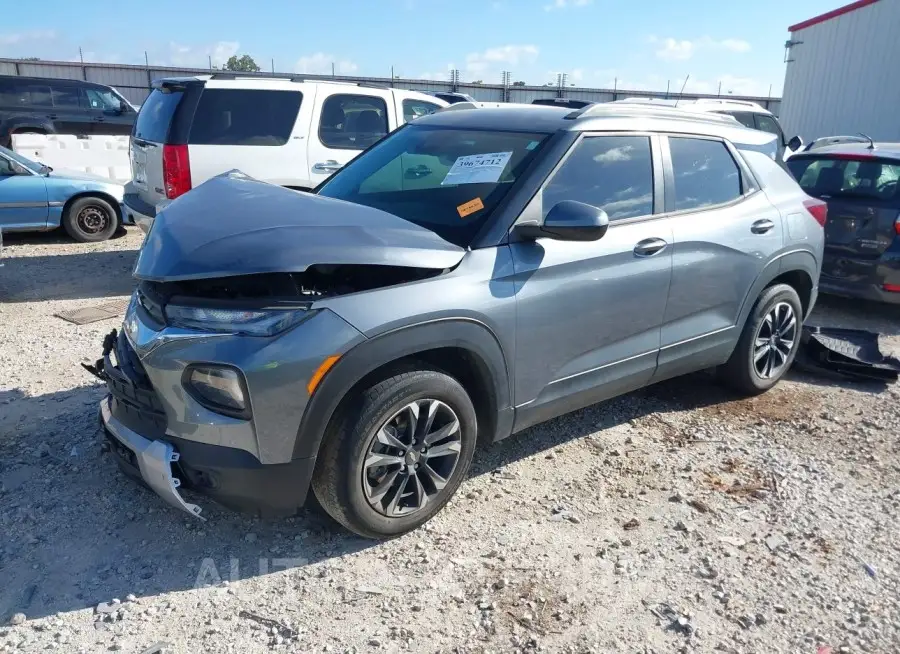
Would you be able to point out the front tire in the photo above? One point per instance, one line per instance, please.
(90, 220)
(768, 343)
(396, 454)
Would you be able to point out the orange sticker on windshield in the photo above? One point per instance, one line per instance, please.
(470, 207)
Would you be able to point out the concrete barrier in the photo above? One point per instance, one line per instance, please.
(105, 156)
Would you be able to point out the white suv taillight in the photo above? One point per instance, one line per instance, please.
(176, 170)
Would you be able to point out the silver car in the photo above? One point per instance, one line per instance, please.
(477, 272)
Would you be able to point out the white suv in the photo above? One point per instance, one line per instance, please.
(286, 131)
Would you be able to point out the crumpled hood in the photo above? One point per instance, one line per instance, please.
(236, 225)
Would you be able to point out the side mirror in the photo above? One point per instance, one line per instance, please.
(569, 221)
(795, 144)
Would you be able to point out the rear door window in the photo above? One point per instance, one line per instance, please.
(156, 115)
(66, 97)
(745, 118)
(413, 109)
(245, 117)
(613, 173)
(352, 122)
(705, 173)
(861, 179)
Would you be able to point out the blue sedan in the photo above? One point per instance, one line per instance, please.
(35, 197)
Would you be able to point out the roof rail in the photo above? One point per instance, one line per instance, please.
(743, 103)
(823, 141)
(292, 78)
(627, 110)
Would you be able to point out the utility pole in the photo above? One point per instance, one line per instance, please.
(146, 59)
(506, 77)
(273, 65)
(668, 82)
(332, 69)
(210, 61)
(615, 88)
(719, 92)
(80, 54)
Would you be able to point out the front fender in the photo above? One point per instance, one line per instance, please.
(369, 355)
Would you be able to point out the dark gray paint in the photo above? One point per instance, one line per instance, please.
(235, 225)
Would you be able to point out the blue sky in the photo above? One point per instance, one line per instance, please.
(643, 43)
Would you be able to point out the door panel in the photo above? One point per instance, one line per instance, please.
(23, 201)
(346, 122)
(589, 316)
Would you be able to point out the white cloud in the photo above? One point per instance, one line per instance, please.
(16, 38)
(680, 50)
(199, 56)
(321, 63)
(562, 4)
(488, 63)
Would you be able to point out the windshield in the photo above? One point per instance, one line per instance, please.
(446, 180)
(18, 158)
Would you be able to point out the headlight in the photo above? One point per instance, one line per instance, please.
(218, 388)
(250, 322)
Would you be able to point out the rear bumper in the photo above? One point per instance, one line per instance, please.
(864, 279)
(138, 212)
(231, 477)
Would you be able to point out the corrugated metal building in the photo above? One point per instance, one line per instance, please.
(843, 73)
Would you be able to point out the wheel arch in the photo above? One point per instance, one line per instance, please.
(464, 348)
(797, 269)
(117, 208)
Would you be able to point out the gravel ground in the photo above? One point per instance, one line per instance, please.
(676, 519)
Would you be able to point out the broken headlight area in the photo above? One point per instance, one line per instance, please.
(263, 304)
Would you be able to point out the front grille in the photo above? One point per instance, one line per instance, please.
(135, 402)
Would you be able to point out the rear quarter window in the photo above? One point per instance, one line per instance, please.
(245, 117)
(156, 115)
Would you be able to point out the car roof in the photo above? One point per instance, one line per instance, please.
(883, 150)
(54, 80)
(609, 116)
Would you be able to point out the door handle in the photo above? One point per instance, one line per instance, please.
(762, 226)
(329, 166)
(649, 246)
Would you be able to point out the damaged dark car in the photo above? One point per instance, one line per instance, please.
(471, 275)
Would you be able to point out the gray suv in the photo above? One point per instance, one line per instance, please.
(476, 272)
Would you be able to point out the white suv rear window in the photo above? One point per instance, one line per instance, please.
(245, 117)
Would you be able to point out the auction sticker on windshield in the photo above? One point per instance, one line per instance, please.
(477, 169)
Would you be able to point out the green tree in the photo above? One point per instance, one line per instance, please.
(519, 83)
(244, 64)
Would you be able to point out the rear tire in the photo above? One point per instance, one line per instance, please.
(768, 343)
(90, 220)
(377, 463)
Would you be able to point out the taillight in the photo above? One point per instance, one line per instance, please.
(817, 209)
(897, 225)
(176, 170)
(892, 288)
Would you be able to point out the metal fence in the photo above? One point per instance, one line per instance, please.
(134, 83)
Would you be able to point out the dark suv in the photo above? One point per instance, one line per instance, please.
(61, 106)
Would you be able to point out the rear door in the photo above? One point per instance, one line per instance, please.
(346, 121)
(863, 203)
(260, 131)
(726, 230)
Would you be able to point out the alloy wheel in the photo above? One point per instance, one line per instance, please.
(774, 341)
(411, 458)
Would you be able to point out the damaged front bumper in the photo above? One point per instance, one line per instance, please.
(152, 459)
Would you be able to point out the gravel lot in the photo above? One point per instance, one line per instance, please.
(676, 519)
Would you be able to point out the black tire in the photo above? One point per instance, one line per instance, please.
(740, 371)
(339, 479)
(90, 220)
